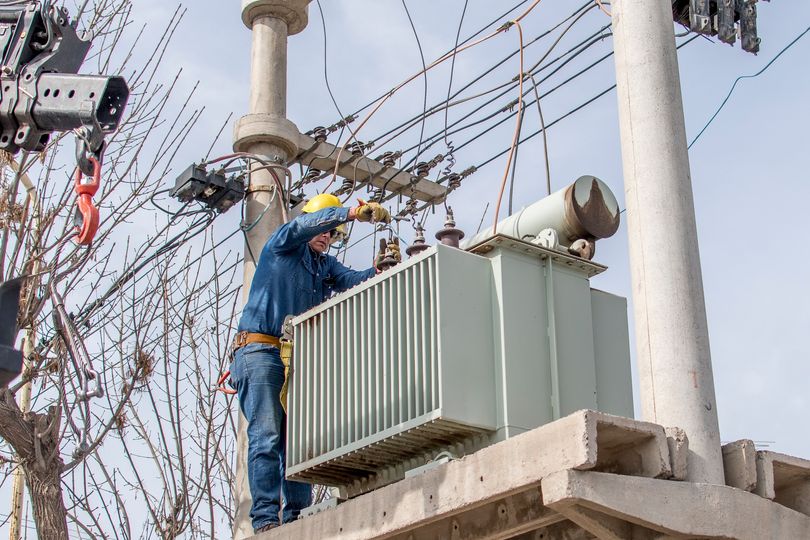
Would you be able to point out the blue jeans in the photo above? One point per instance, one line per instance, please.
(258, 374)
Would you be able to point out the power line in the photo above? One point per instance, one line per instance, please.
(442, 105)
(449, 144)
(466, 40)
(567, 114)
(574, 52)
(738, 79)
(425, 76)
(326, 62)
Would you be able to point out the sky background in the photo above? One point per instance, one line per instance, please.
(749, 169)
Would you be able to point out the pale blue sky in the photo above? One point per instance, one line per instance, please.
(749, 170)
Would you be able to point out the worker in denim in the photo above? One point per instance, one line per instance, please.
(294, 274)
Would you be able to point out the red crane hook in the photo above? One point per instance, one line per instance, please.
(86, 218)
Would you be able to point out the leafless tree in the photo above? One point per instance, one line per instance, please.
(124, 435)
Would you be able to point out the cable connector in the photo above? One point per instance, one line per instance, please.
(506, 26)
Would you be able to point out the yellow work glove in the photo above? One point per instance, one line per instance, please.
(371, 211)
(393, 248)
(387, 250)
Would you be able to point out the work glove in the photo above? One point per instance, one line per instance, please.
(371, 211)
(387, 250)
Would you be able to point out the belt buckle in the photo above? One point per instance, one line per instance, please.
(240, 340)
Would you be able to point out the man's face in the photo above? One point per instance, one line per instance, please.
(321, 242)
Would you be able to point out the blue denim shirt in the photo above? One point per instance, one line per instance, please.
(291, 277)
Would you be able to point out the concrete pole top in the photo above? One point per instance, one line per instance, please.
(293, 12)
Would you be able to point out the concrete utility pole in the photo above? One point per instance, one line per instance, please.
(266, 131)
(672, 338)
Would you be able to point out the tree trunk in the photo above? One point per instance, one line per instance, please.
(45, 488)
(40, 460)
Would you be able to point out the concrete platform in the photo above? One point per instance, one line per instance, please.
(588, 475)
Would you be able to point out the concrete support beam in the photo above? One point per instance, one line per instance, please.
(565, 530)
(364, 170)
(625, 446)
(678, 444)
(585, 440)
(739, 464)
(675, 509)
(784, 479)
(505, 518)
(600, 525)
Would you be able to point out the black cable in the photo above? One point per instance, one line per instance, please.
(577, 50)
(466, 40)
(514, 161)
(451, 160)
(738, 79)
(325, 62)
(425, 77)
(436, 137)
(441, 105)
(569, 113)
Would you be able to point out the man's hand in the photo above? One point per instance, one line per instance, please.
(371, 212)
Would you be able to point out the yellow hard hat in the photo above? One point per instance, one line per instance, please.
(319, 202)
(327, 200)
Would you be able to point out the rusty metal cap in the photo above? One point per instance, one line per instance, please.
(592, 207)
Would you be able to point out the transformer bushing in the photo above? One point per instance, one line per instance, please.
(419, 244)
(449, 235)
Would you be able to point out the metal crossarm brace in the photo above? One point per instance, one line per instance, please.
(364, 170)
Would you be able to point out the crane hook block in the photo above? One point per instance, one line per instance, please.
(86, 218)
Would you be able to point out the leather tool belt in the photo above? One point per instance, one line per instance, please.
(244, 338)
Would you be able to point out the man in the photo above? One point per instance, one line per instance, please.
(294, 274)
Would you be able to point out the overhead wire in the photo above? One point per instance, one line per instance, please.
(514, 165)
(545, 138)
(382, 101)
(326, 63)
(504, 109)
(424, 72)
(574, 52)
(738, 79)
(565, 115)
(433, 139)
(516, 137)
(466, 40)
(442, 106)
(427, 206)
(451, 159)
(433, 64)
